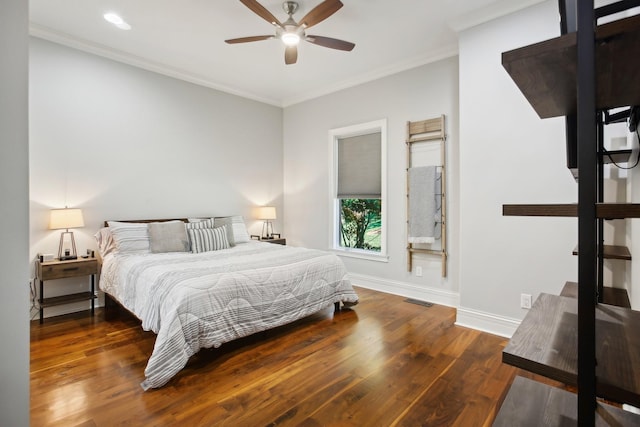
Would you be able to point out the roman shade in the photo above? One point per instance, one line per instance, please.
(359, 167)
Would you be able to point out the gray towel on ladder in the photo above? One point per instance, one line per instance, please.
(424, 204)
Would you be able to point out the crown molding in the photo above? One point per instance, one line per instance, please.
(427, 58)
(136, 61)
(488, 13)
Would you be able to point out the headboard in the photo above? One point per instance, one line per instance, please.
(143, 221)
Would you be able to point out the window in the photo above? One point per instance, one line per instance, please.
(358, 189)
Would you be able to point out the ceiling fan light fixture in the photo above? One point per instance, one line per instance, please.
(290, 39)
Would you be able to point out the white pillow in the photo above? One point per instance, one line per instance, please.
(240, 234)
(104, 238)
(130, 237)
(208, 239)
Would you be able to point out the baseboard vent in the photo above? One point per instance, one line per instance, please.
(417, 301)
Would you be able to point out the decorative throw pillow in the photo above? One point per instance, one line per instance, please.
(130, 237)
(240, 234)
(169, 236)
(208, 239)
(195, 223)
(220, 222)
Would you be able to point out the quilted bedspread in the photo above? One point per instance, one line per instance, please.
(194, 301)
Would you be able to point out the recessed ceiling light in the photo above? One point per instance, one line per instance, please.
(116, 20)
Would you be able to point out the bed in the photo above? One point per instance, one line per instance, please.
(204, 298)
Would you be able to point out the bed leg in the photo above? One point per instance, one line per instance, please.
(336, 306)
(108, 307)
(112, 309)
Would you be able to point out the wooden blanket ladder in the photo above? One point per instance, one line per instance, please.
(426, 131)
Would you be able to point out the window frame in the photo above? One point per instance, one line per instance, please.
(334, 202)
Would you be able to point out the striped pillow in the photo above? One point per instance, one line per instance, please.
(195, 223)
(208, 239)
(130, 237)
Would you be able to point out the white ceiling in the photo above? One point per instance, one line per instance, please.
(185, 39)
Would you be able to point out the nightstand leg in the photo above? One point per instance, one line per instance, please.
(41, 301)
(93, 293)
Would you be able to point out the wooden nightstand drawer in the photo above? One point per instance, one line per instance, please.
(64, 269)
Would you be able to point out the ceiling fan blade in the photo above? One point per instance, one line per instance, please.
(248, 39)
(291, 55)
(321, 12)
(261, 11)
(331, 43)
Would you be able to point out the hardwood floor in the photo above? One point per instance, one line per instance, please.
(387, 362)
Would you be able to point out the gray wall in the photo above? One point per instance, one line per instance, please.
(125, 143)
(509, 155)
(420, 93)
(14, 211)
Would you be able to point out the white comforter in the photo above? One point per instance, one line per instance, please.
(195, 301)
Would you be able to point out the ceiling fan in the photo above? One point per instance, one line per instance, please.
(291, 32)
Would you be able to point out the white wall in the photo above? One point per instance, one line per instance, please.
(124, 143)
(509, 155)
(14, 210)
(420, 93)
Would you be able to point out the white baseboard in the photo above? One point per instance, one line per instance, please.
(409, 290)
(487, 322)
(474, 319)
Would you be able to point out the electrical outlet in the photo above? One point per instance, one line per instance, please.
(525, 301)
(419, 271)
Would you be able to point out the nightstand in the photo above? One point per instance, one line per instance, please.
(276, 240)
(50, 270)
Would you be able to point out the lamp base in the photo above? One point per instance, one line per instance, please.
(266, 226)
(67, 254)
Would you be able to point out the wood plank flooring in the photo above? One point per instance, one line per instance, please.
(386, 362)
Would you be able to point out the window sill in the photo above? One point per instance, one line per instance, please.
(354, 253)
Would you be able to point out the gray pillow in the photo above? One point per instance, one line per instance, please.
(228, 221)
(170, 236)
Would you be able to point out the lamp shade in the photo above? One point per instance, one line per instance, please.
(65, 218)
(267, 212)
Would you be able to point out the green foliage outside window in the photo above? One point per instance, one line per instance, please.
(360, 223)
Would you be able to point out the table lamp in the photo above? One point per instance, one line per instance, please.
(267, 214)
(65, 219)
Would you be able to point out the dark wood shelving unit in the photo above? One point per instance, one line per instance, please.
(533, 404)
(612, 252)
(577, 339)
(546, 72)
(546, 343)
(612, 296)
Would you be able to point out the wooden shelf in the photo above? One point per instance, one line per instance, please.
(603, 210)
(546, 72)
(611, 296)
(562, 209)
(613, 252)
(530, 403)
(616, 156)
(546, 343)
(66, 299)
